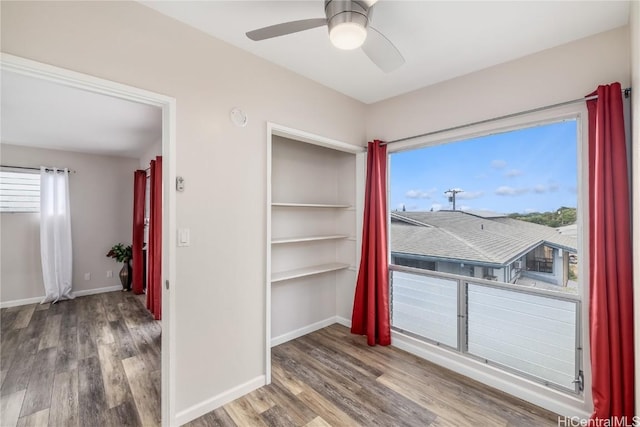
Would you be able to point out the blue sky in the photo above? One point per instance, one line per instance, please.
(528, 170)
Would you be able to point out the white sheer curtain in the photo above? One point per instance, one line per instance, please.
(55, 234)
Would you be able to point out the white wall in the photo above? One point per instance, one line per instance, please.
(555, 75)
(150, 153)
(101, 196)
(219, 291)
(634, 22)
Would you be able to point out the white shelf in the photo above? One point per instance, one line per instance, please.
(280, 240)
(311, 205)
(307, 271)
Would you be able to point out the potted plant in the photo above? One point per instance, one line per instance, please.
(122, 253)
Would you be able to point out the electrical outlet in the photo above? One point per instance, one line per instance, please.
(87, 276)
(109, 273)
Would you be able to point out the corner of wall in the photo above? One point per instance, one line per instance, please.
(634, 23)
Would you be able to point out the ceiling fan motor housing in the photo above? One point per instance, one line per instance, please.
(342, 11)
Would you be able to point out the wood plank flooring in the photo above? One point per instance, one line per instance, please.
(92, 361)
(95, 361)
(332, 378)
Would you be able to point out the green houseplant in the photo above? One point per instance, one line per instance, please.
(122, 253)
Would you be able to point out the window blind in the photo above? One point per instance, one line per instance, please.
(19, 191)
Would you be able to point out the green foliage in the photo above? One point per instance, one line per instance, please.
(559, 218)
(120, 252)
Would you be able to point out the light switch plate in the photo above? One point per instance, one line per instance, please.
(183, 237)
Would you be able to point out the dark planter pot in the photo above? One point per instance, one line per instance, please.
(125, 276)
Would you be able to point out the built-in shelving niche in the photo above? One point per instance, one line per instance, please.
(313, 233)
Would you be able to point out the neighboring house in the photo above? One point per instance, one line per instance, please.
(487, 246)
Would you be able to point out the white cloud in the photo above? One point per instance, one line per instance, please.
(464, 208)
(498, 164)
(513, 173)
(539, 189)
(468, 195)
(510, 191)
(420, 194)
(436, 206)
(529, 210)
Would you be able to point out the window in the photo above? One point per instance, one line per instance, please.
(19, 191)
(415, 263)
(501, 208)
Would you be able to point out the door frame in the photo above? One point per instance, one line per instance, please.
(89, 83)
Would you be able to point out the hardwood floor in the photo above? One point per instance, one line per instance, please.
(92, 361)
(95, 361)
(332, 378)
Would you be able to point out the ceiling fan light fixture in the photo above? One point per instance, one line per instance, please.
(347, 35)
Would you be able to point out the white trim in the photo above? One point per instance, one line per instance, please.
(267, 322)
(537, 394)
(303, 331)
(18, 302)
(168, 104)
(343, 321)
(300, 135)
(217, 401)
(37, 300)
(97, 291)
(78, 80)
(551, 115)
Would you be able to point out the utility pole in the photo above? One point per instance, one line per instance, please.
(452, 195)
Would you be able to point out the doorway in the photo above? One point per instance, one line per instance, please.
(167, 105)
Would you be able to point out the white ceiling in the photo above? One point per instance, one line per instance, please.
(439, 39)
(40, 113)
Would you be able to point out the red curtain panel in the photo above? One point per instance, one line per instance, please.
(139, 184)
(610, 268)
(371, 303)
(154, 251)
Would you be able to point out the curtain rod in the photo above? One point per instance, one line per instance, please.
(626, 92)
(35, 169)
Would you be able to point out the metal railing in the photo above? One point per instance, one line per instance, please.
(532, 332)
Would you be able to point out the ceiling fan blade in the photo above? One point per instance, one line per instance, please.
(285, 28)
(381, 51)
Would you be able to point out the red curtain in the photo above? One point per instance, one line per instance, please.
(610, 269)
(139, 184)
(154, 251)
(371, 303)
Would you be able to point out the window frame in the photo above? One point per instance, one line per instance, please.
(574, 111)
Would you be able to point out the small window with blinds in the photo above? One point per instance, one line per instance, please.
(19, 191)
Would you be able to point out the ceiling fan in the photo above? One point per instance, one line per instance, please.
(348, 23)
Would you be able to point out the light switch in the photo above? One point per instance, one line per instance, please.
(183, 237)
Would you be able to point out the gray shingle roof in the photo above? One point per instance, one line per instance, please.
(462, 236)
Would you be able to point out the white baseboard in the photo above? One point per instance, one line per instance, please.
(24, 301)
(97, 291)
(343, 321)
(37, 300)
(545, 397)
(215, 402)
(302, 331)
